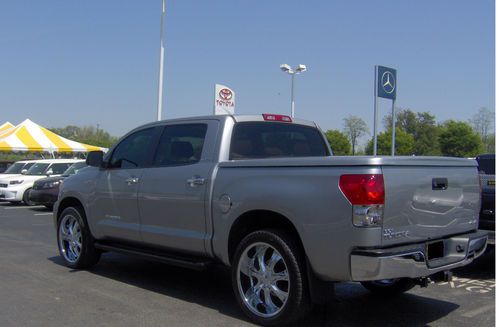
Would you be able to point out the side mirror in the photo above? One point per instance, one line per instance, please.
(24, 171)
(49, 172)
(94, 158)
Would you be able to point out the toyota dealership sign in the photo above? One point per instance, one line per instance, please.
(224, 102)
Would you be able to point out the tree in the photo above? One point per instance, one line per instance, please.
(354, 127)
(404, 143)
(483, 122)
(458, 139)
(339, 143)
(406, 120)
(87, 134)
(422, 126)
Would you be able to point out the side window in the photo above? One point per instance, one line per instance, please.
(133, 151)
(180, 145)
(58, 169)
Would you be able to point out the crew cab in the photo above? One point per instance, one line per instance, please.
(265, 196)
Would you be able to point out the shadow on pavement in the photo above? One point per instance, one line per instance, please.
(481, 268)
(352, 306)
(211, 288)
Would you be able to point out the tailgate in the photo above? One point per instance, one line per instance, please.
(429, 202)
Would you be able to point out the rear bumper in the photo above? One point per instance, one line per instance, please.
(413, 261)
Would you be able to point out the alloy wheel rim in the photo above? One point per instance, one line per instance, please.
(70, 238)
(263, 280)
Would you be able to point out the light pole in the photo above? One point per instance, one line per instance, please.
(287, 69)
(162, 55)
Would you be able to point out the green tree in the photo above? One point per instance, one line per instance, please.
(354, 128)
(458, 139)
(87, 134)
(404, 143)
(339, 143)
(406, 120)
(422, 126)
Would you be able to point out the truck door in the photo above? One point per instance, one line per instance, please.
(173, 192)
(115, 207)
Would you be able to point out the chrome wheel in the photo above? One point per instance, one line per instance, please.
(263, 280)
(70, 238)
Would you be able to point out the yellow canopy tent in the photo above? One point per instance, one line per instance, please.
(5, 126)
(31, 137)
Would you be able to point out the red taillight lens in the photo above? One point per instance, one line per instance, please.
(282, 118)
(363, 189)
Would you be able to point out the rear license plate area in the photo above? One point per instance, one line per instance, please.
(435, 250)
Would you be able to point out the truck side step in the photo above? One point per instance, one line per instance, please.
(179, 261)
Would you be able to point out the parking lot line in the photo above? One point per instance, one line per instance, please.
(23, 207)
(43, 214)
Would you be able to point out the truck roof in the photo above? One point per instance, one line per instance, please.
(236, 118)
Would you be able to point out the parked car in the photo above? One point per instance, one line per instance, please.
(4, 165)
(17, 188)
(46, 190)
(17, 168)
(486, 167)
(264, 196)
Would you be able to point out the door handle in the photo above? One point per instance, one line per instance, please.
(196, 181)
(132, 180)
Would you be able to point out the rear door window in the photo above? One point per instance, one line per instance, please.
(276, 140)
(180, 145)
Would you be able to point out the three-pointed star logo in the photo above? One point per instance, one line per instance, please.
(388, 82)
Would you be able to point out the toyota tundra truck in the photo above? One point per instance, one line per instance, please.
(265, 196)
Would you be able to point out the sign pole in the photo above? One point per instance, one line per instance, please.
(293, 95)
(393, 149)
(162, 56)
(375, 114)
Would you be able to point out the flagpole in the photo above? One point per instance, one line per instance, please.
(162, 56)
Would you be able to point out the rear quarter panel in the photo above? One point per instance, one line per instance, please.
(309, 197)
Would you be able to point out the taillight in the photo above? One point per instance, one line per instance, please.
(363, 189)
(366, 193)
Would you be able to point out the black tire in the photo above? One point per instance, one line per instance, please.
(298, 302)
(88, 255)
(390, 287)
(26, 198)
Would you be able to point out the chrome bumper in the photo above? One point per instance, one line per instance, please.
(412, 260)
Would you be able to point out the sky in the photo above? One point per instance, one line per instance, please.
(68, 62)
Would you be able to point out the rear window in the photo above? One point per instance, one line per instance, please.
(486, 165)
(257, 140)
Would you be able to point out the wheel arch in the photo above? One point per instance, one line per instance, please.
(254, 220)
(69, 201)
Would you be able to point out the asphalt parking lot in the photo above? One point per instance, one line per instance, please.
(36, 289)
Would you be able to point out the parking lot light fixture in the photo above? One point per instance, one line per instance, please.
(287, 69)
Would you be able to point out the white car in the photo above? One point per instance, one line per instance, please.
(18, 168)
(16, 188)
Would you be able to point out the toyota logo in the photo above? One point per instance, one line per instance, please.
(226, 94)
(388, 82)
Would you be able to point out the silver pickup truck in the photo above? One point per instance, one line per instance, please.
(264, 195)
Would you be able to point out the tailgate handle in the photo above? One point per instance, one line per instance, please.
(439, 183)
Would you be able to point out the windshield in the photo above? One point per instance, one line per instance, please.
(15, 168)
(38, 169)
(74, 168)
